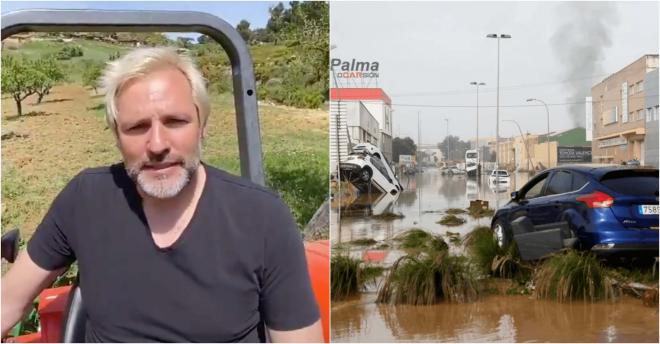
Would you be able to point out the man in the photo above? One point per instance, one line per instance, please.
(168, 248)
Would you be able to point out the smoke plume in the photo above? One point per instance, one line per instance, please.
(579, 44)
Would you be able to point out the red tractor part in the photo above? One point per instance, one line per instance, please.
(318, 264)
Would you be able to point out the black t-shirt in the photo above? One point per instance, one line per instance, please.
(239, 261)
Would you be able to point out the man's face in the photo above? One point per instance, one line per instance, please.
(159, 133)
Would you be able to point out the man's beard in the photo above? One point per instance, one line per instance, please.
(164, 186)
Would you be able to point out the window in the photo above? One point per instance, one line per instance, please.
(640, 115)
(561, 182)
(640, 86)
(649, 114)
(655, 113)
(379, 165)
(578, 181)
(535, 189)
(631, 182)
(625, 116)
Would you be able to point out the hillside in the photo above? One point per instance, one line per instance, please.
(45, 148)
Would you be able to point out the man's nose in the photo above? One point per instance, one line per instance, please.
(157, 143)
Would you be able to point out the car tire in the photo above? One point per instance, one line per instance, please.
(365, 175)
(500, 234)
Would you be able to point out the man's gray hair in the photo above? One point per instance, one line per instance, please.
(142, 61)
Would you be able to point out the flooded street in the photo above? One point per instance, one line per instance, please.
(495, 319)
(423, 202)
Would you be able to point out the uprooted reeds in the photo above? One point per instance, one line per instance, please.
(416, 240)
(492, 259)
(428, 278)
(451, 220)
(350, 275)
(573, 275)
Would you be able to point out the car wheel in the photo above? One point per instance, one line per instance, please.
(365, 175)
(500, 234)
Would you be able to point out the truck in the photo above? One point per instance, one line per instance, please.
(472, 162)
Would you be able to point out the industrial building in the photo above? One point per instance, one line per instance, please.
(359, 115)
(619, 109)
(530, 152)
(651, 104)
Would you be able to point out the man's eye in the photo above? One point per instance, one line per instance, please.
(176, 122)
(137, 127)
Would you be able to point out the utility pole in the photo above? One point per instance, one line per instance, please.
(547, 118)
(447, 138)
(476, 145)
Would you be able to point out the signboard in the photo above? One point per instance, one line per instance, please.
(567, 155)
(405, 159)
(615, 141)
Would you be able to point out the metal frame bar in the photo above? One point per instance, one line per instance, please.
(245, 96)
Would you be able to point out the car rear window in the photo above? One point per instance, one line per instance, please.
(560, 183)
(634, 182)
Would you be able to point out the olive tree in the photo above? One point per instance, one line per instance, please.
(19, 79)
(49, 73)
(92, 72)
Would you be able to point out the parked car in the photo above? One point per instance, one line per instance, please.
(499, 177)
(366, 166)
(606, 209)
(455, 171)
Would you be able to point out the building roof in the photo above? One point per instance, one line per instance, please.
(360, 94)
(571, 137)
(624, 68)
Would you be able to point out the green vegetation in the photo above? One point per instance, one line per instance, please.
(290, 56)
(363, 242)
(22, 78)
(493, 260)
(573, 276)
(455, 211)
(417, 240)
(91, 74)
(451, 220)
(389, 216)
(479, 212)
(428, 279)
(69, 51)
(349, 275)
(99, 52)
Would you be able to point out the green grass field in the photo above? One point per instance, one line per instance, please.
(44, 149)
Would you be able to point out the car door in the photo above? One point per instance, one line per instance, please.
(528, 195)
(546, 210)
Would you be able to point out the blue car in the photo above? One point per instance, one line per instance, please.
(606, 209)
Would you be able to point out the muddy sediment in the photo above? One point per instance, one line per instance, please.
(495, 318)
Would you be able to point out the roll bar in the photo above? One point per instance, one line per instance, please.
(245, 96)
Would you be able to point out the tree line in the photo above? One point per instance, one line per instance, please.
(23, 76)
(295, 75)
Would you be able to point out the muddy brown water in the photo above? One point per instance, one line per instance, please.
(495, 319)
(492, 319)
(422, 203)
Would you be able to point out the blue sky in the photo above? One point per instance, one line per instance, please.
(231, 11)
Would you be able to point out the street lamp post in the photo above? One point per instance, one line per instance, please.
(522, 137)
(547, 136)
(447, 138)
(476, 145)
(497, 115)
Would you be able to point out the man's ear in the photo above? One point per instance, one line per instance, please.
(205, 132)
